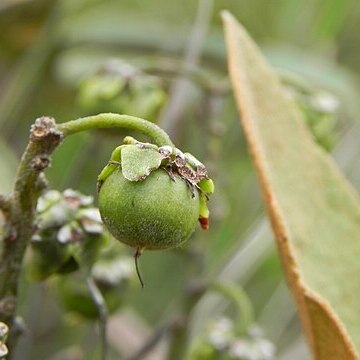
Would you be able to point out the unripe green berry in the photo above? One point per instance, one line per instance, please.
(155, 213)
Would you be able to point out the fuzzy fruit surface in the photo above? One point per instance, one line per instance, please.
(156, 213)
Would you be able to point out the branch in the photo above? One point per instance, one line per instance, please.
(44, 138)
(154, 339)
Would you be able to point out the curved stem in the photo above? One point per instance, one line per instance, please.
(242, 302)
(110, 120)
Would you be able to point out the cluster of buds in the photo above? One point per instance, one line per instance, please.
(65, 223)
(121, 88)
(70, 236)
(222, 341)
(320, 109)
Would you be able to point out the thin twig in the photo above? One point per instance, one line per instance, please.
(153, 340)
(99, 301)
(179, 93)
(196, 75)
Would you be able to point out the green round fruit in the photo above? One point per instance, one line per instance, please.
(156, 213)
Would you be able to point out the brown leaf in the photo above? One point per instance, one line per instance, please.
(315, 213)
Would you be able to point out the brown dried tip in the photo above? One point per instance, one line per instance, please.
(204, 222)
(42, 127)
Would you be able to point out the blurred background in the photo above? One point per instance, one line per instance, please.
(166, 61)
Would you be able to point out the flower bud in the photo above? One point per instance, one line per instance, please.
(121, 88)
(69, 233)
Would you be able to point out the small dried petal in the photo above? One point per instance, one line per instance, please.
(165, 151)
(201, 172)
(180, 158)
(188, 174)
(42, 127)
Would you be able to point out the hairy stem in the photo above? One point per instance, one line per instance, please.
(110, 120)
(20, 226)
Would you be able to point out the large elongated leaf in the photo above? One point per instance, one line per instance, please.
(314, 212)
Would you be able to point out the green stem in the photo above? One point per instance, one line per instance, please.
(110, 120)
(231, 291)
(242, 302)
